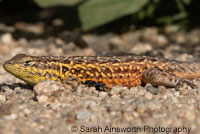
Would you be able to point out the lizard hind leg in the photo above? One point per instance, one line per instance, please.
(157, 77)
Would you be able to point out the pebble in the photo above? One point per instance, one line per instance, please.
(42, 98)
(177, 93)
(58, 22)
(180, 38)
(151, 89)
(171, 29)
(103, 94)
(89, 103)
(27, 111)
(161, 40)
(6, 89)
(141, 48)
(7, 38)
(13, 116)
(116, 90)
(115, 97)
(148, 95)
(49, 88)
(2, 98)
(2, 79)
(9, 108)
(83, 114)
(189, 114)
(162, 89)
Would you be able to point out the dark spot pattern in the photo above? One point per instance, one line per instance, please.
(64, 69)
(153, 60)
(142, 59)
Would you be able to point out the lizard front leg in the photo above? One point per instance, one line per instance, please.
(157, 77)
(71, 83)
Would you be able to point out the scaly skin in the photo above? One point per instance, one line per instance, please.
(126, 71)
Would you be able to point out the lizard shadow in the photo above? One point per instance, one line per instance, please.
(13, 86)
(100, 86)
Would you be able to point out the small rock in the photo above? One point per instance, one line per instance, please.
(177, 93)
(7, 109)
(162, 89)
(184, 57)
(116, 97)
(134, 90)
(70, 117)
(116, 90)
(58, 22)
(189, 114)
(7, 38)
(180, 37)
(47, 89)
(89, 103)
(141, 90)
(128, 116)
(171, 29)
(103, 94)
(88, 52)
(148, 96)
(83, 114)
(42, 98)
(141, 48)
(6, 89)
(27, 111)
(151, 89)
(2, 98)
(3, 79)
(137, 91)
(161, 40)
(23, 41)
(13, 116)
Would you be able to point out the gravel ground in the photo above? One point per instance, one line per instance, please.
(50, 108)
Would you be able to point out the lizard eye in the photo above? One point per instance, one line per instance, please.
(27, 63)
(9, 62)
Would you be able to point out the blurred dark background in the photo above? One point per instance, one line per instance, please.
(100, 15)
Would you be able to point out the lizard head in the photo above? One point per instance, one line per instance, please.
(20, 66)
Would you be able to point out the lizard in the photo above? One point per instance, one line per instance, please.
(127, 71)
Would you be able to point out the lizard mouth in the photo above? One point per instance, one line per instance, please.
(6, 64)
(16, 71)
(12, 69)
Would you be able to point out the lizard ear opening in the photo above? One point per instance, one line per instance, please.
(27, 63)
